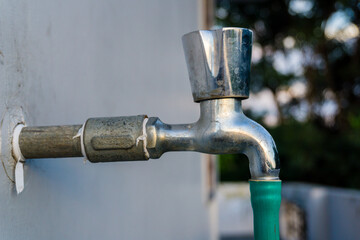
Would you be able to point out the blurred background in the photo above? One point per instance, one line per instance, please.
(305, 84)
(62, 62)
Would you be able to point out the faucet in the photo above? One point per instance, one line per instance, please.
(222, 129)
(218, 63)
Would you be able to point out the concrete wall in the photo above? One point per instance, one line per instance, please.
(65, 61)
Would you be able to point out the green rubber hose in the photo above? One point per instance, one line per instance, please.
(265, 201)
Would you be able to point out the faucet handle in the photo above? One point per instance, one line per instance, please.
(218, 62)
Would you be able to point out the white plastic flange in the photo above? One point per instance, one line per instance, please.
(19, 167)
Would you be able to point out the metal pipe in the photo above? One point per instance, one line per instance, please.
(50, 142)
(221, 129)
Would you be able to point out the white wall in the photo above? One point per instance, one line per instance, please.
(65, 61)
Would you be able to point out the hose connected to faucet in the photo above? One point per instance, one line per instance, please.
(219, 70)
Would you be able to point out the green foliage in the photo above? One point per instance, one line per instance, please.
(311, 154)
(234, 167)
(307, 154)
(315, 144)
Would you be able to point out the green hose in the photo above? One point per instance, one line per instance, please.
(265, 201)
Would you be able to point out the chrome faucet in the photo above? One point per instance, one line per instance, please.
(219, 70)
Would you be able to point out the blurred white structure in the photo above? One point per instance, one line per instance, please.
(235, 212)
(65, 61)
(330, 213)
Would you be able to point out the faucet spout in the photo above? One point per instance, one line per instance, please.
(222, 128)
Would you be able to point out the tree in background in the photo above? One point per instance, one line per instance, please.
(306, 56)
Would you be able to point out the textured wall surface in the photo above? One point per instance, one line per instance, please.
(65, 61)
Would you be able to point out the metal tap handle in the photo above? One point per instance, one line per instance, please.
(218, 62)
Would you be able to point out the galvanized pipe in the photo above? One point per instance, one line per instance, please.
(50, 142)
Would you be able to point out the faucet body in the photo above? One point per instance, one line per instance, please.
(222, 128)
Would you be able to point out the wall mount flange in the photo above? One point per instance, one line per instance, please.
(9, 120)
